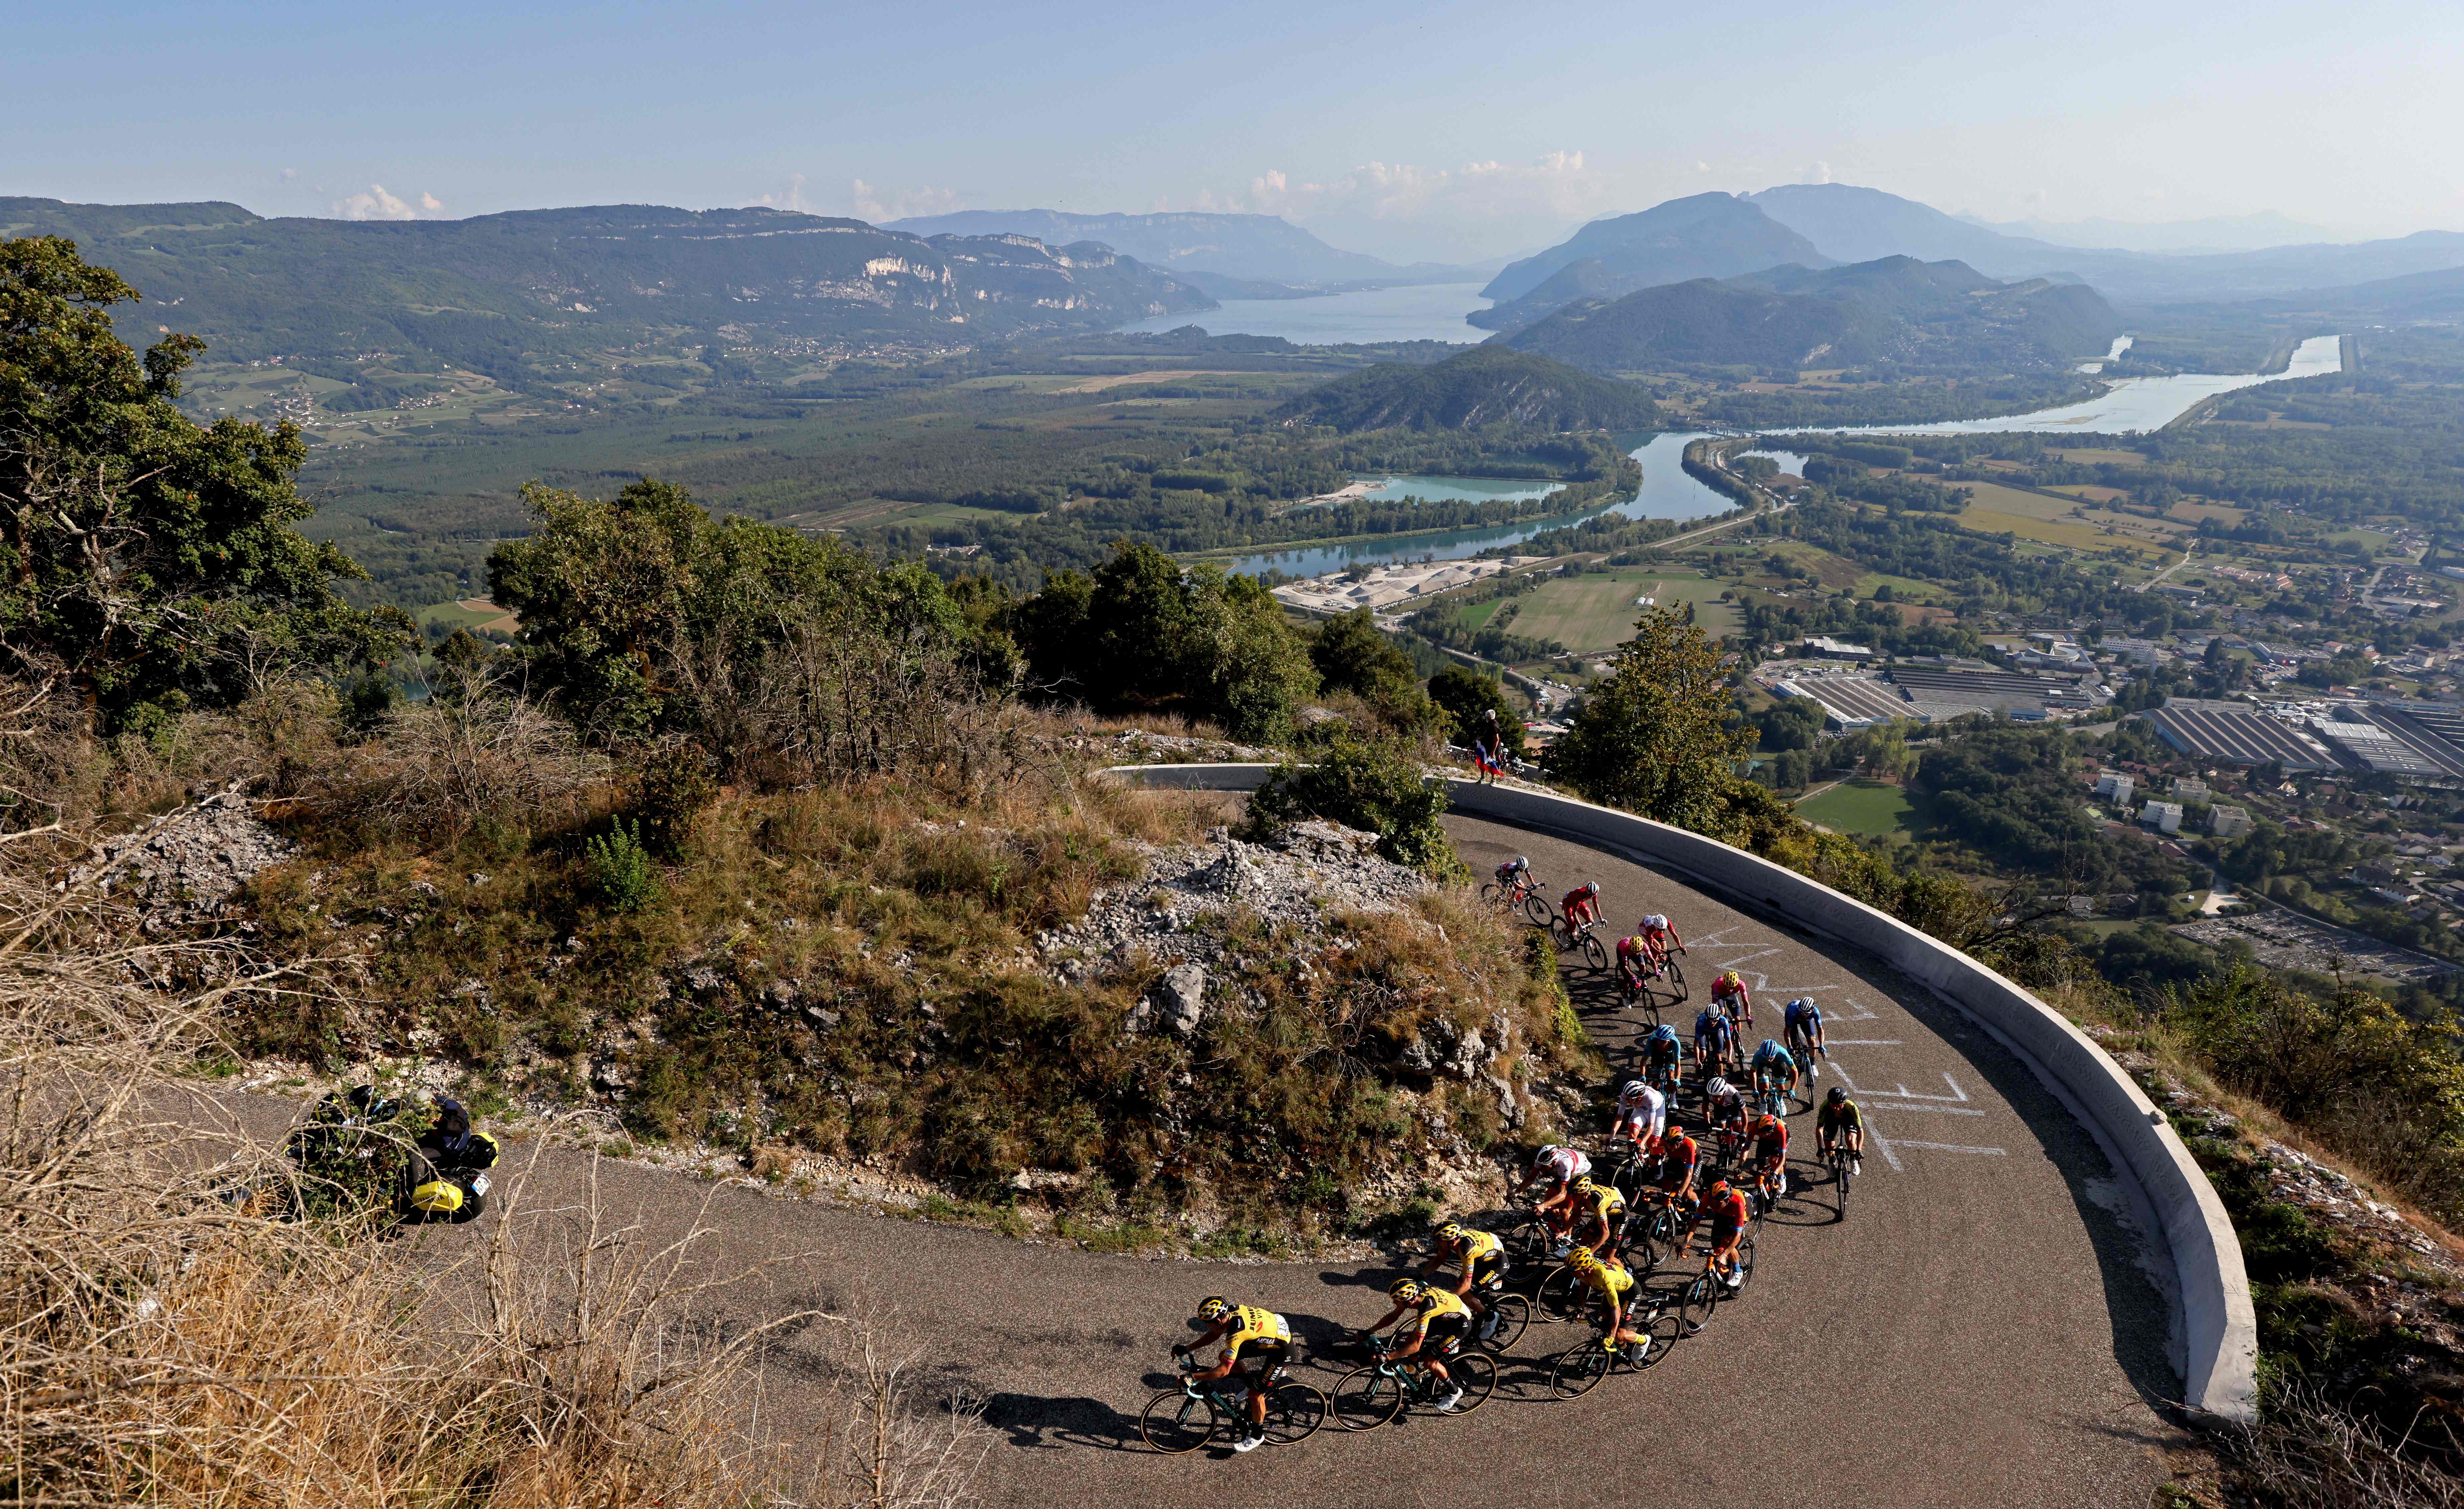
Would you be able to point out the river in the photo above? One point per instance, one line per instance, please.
(2133, 405)
(1666, 492)
(1424, 311)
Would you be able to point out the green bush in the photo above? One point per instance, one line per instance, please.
(672, 789)
(621, 873)
(1367, 784)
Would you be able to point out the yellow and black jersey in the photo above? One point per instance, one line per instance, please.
(1251, 1323)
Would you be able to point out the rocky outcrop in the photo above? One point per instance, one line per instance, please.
(186, 866)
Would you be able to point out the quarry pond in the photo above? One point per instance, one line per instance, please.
(1666, 492)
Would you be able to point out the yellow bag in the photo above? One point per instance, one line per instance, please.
(438, 1197)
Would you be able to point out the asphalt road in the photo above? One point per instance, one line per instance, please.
(1980, 1330)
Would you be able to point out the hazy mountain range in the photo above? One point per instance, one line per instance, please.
(1918, 317)
(506, 295)
(1214, 252)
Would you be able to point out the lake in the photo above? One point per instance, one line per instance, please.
(1427, 312)
(1666, 492)
(2134, 405)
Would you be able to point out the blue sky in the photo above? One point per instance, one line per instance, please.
(1440, 131)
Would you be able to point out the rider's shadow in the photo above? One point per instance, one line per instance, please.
(1033, 1422)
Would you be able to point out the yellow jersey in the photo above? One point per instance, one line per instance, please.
(1437, 1305)
(1611, 1282)
(1480, 1246)
(1253, 1323)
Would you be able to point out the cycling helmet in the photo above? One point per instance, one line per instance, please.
(1585, 1186)
(1407, 1290)
(1451, 1231)
(1719, 1184)
(1521, 863)
(1655, 920)
(1838, 1095)
(1664, 1032)
(1214, 1307)
(1731, 978)
(1719, 1089)
(1634, 1090)
(1581, 1256)
(1541, 1158)
(1591, 888)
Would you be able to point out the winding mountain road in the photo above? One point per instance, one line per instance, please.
(1982, 1328)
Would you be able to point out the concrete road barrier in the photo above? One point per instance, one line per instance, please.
(2219, 1329)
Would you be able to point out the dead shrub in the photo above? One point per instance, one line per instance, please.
(480, 755)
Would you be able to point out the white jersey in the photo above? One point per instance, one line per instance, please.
(1564, 1166)
(1645, 1107)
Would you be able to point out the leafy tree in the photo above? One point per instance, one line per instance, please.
(149, 560)
(1373, 784)
(642, 612)
(1350, 655)
(1652, 737)
(1465, 696)
(1143, 631)
(1793, 723)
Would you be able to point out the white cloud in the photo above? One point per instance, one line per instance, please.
(792, 197)
(1702, 168)
(379, 204)
(876, 203)
(1819, 173)
(1558, 186)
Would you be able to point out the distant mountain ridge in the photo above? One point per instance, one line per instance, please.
(1256, 248)
(1702, 235)
(1917, 316)
(504, 294)
(1485, 385)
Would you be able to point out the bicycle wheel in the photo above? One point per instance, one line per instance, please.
(1366, 1398)
(1694, 1310)
(1527, 1245)
(1477, 1373)
(1563, 1294)
(1745, 1266)
(1675, 975)
(1294, 1412)
(1595, 954)
(1659, 1331)
(1843, 1171)
(1537, 909)
(1578, 1367)
(1492, 896)
(1175, 1423)
(1513, 1314)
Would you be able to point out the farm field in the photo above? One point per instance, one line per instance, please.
(1871, 808)
(477, 614)
(1593, 612)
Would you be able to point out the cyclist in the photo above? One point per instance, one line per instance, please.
(1662, 937)
(1438, 1325)
(1259, 1338)
(1803, 1029)
(1723, 1206)
(1643, 1116)
(1715, 1040)
(1481, 1256)
(1581, 906)
(1600, 1210)
(1514, 876)
(1613, 1281)
(1769, 1135)
(1553, 1173)
(1680, 1158)
(1723, 1107)
(1661, 1053)
(1730, 994)
(1636, 965)
(1842, 1122)
(1773, 1068)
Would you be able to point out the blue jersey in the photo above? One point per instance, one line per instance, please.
(1771, 1056)
(1807, 1016)
(1712, 1027)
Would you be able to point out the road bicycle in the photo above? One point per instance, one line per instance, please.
(1771, 1096)
(1370, 1395)
(1187, 1417)
(1707, 1290)
(1507, 1316)
(1522, 896)
(1587, 1362)
(1574, 939)
(1843, 1173)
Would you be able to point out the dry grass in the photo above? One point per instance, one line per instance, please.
(164, 1345)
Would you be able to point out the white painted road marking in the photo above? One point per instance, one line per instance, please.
(1951, 1147)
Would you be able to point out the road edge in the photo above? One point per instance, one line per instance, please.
(2219, 1325)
